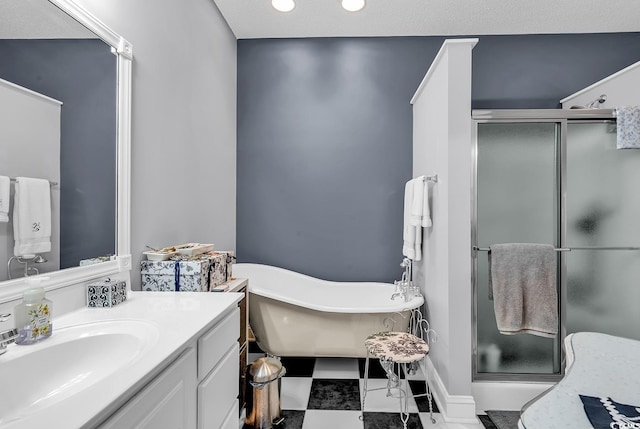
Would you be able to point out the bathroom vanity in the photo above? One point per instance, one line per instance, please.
(159, 360)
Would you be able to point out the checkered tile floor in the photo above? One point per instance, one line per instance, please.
(325, 393)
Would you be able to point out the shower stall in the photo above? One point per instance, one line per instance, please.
(555, 177)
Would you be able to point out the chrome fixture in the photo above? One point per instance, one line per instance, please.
(6, 337)
(405, 287)
(26, 260)
(353, 5)
(595, 104)
(283, 5)
(50, 182)
(569, 249)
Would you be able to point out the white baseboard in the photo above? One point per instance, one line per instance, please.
(508, 396)
(453, 408)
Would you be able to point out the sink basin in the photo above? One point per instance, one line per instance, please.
(69, 362)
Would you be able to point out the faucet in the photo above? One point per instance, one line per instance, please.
(8, 336)
(405, 287)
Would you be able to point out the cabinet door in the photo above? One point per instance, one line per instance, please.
(168, 402)
(218, 392)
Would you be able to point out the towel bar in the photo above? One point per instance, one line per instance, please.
(569, 249)
(50, 182)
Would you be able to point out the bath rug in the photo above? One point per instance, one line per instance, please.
(504, 419)
(605, 413)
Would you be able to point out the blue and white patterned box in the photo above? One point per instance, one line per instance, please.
(221, 264)
(106, 293)
(178, 274)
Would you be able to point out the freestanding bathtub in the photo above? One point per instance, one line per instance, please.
(292, 314)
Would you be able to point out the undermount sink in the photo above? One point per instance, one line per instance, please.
(67, 363)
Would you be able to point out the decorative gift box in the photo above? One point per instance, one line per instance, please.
(106, 293)
(180, 273)
(221, 262)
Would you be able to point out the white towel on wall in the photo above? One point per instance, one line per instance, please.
(426, 213)
(5, 193)
(628, 125)
(417, 201)
(420, 213)
(32, 216)
(411, 230)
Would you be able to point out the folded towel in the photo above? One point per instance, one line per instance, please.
(5, 192)
(605, 413)
(411, 234)
(32, 216)
(426, 213)
(523, 279)
(417, 201)
(628, 125)
(420, 213)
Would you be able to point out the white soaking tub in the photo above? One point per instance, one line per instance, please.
(292, 314)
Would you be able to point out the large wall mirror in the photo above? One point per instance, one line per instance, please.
(64, 118)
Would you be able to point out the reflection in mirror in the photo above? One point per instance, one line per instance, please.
(58, 122)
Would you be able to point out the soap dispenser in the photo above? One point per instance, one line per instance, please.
(33, 315)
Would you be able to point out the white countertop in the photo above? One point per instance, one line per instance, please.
(180, 318)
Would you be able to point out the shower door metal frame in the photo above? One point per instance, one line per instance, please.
(562, 117)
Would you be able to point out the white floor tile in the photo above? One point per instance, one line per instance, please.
(294, 394)
(336, 368)
(377, 400)
(323, 419)
(441, 424)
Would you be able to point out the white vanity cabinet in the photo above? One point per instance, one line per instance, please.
(168, 402)
(198, 390)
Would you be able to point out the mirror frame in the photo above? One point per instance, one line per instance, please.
(121, 265)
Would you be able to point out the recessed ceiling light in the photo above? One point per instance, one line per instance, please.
(283, 5)
(353, 5)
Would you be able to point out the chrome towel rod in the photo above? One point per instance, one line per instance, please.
(433, 178)
(50, 182)
(569, 249)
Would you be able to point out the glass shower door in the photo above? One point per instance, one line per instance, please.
(517, 202)
(603, 230)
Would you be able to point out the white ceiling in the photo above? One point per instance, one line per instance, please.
(251, 19)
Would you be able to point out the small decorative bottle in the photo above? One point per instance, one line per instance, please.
(33, 317)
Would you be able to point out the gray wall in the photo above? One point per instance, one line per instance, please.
(325, 135)
(183, 122)
(82, 74)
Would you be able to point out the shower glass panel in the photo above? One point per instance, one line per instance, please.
(517, 202)
(603, 212)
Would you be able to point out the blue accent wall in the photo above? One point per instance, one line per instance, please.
(325, 135)
(82, 73)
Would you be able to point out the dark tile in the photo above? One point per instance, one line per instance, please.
(487, 422)
(418, 387)
(292, 419)
(375, 369)
(390, 421)
(298, 366)
(254, 347)
(334, 394)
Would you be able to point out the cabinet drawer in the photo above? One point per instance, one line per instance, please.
(218, 392)
(233, 420)
(215, 343)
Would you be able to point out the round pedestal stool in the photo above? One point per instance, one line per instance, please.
(396, 351)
